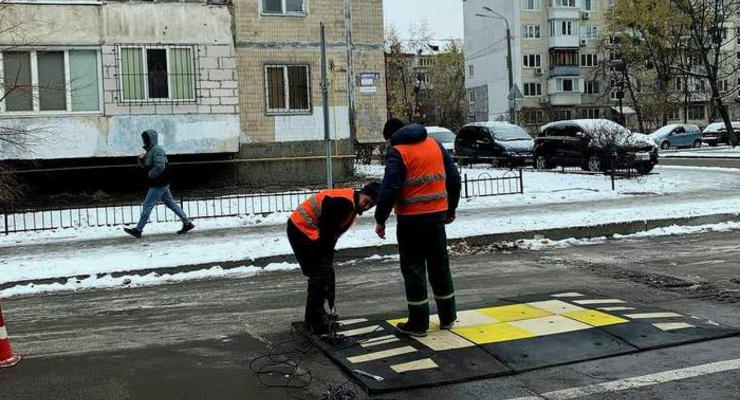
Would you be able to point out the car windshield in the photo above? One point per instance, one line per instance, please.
(664, 130)
(443, 136)
(509, 133)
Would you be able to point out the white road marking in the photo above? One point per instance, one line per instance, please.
(599, 301)
(377, 339)
(653, 315)
(673, 326)
(616, 308)
(639, 381)
(381, 354)
(379, 342)
(352, 321)
(418, 365)
(711, 262)
(361, 331)
(565, 295)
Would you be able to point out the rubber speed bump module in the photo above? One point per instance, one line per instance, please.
(507, 336)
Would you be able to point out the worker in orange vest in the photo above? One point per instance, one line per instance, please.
(313, 231)
(423, 184)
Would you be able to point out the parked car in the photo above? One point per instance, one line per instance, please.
(444, 136)
(593, 144)
(677, 135)
(716, 133)
(498, 143)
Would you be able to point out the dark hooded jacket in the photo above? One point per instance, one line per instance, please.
(395, 175)
(155, 160)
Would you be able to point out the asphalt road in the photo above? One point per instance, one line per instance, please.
(196, 340)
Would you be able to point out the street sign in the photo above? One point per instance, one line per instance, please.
(515, 93)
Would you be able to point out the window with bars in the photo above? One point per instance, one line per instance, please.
(157, 74)
(287, 89)
(52, 80)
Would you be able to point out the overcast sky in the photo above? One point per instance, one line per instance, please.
(445, 17)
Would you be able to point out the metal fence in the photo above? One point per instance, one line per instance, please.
(39, 219)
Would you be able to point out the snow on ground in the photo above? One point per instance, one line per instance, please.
(706, 152)
(539, 188)
(108, 281)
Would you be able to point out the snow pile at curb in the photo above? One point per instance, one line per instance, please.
(151, 279)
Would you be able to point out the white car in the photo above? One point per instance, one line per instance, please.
(443, 136)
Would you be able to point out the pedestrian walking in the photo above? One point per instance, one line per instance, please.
(154, 163)
(313, 231)
(423, 184)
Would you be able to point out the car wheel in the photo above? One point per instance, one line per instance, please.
(645, 169)
(665, 145)
(697, 144)
(594, 164)
(542, 163)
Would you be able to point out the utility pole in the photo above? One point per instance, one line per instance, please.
(325, 99)
(350, 72)
(509, 59)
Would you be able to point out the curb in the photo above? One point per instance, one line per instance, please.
(578, 232)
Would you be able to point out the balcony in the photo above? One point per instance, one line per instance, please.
(573, 13)
(565, 99)
(565, 41)
(565, 71)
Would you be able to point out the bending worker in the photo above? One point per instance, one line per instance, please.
(313, 231)
(423, 184)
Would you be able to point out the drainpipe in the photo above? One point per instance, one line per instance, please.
(350, 72)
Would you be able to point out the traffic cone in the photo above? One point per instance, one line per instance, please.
(7, 358)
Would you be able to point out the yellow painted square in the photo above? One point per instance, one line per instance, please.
(493, 333)
(432, 326)
(516, 312)
(595, 318)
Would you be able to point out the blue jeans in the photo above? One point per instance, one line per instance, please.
(154, 195)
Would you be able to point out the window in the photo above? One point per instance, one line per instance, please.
(565, 85)
(696, 112)
(532, 89)
(562, 3)
(589, 60)
(563, 58)
(724, 85)
(287, 89)
(673, 114)
(589, 32)
(529, 5)
(157, 74)
(471, 96)
(284, 7)
(592, 87)
(590, 113)
(561, 28)
(471, 70)
(531, 32)
(532, 61)
(589, 5)
(561, 115)
(50, 81)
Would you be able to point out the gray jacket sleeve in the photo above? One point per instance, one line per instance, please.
(159, 163)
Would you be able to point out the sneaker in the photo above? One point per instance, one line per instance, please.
(186, 228)
(404, 329)
(135, 232)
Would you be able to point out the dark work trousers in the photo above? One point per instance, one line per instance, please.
(423, 249)
(319, 268)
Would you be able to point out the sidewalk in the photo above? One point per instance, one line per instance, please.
(254, 246)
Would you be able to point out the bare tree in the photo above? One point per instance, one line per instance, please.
(447, 79)
(710, 28)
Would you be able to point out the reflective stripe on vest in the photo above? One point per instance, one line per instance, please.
(306, 216)
(424, 190)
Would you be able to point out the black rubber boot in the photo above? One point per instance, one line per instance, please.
(186, 228)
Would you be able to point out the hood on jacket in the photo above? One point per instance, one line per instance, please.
(150, 138)
(409, 134)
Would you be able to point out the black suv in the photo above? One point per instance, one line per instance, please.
(593, 144)
(498, 143)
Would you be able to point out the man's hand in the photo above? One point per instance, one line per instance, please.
(450, 219)
(380, 231)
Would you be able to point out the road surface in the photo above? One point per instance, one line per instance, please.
(196, 340)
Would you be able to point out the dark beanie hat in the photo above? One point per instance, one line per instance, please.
(392, 126)
(371, 190)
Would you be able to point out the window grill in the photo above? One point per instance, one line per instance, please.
(157, 74)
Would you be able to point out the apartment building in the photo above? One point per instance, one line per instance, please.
(279, 71)
(83, 78)
(555, 50)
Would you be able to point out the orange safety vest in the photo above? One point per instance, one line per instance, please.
(306, 216)
(424, 190)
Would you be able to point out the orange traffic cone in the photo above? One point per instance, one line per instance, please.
(7, 358)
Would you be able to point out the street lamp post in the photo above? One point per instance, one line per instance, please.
(509, 59)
